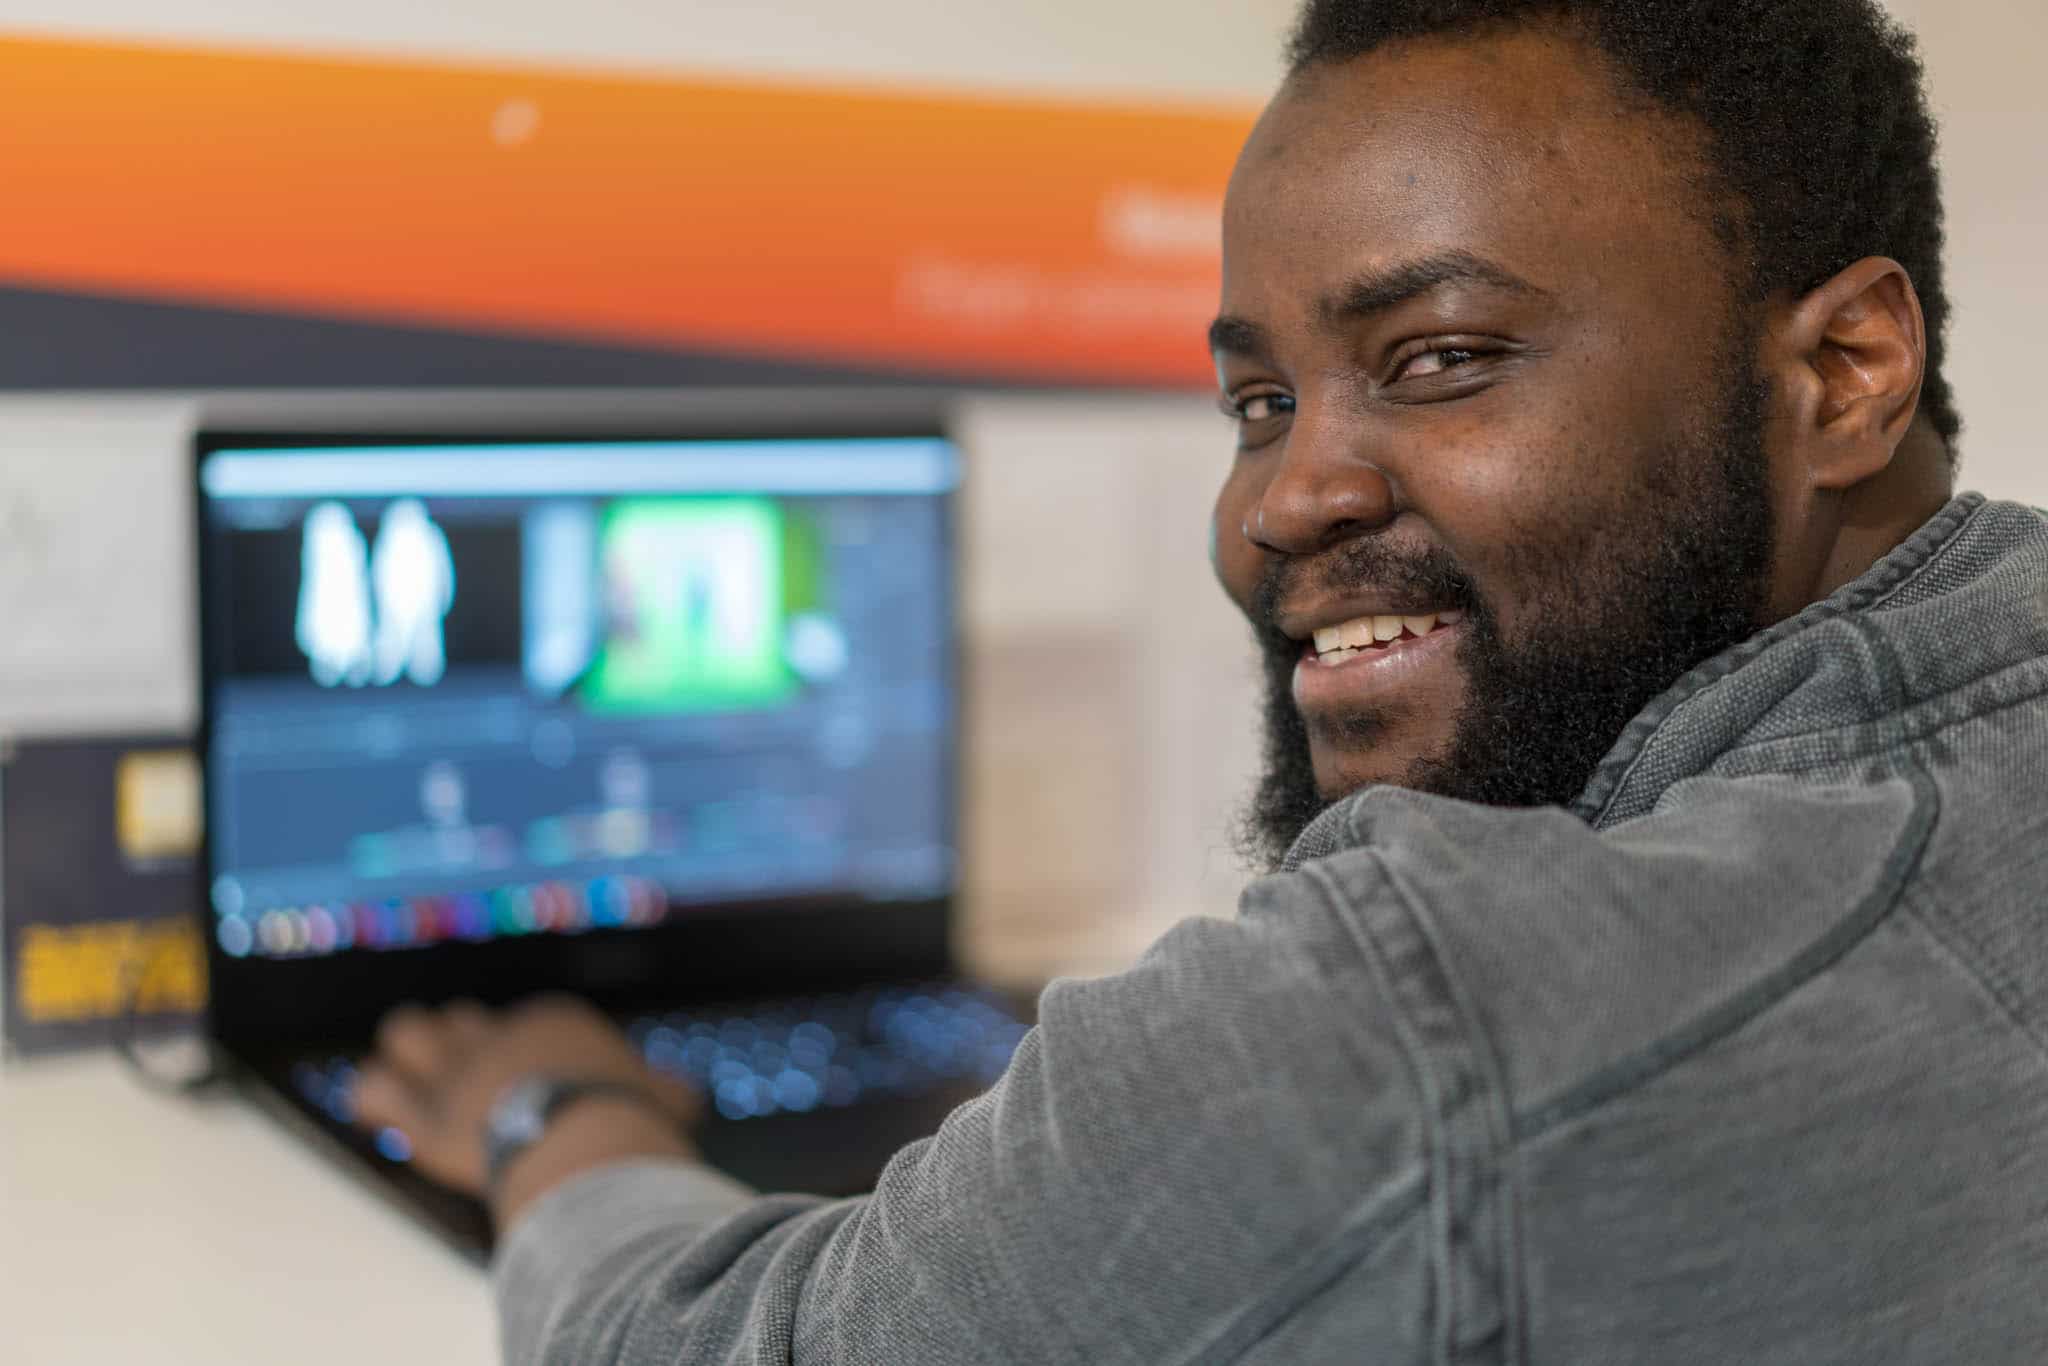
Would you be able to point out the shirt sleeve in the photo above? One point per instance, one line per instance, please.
(1177, 1159)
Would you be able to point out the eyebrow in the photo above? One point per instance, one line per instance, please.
(1377, 291)
(1238, 336)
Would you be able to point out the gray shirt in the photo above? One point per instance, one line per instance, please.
(1742, 1058)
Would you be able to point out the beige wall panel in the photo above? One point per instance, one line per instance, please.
(1111, 732)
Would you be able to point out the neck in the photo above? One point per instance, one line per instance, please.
(1879, 513)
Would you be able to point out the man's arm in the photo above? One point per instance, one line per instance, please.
(1177, 1158)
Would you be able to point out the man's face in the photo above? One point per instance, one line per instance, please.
(1496, 402)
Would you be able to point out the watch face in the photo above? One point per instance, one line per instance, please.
(522, 1110)
(520, 1114)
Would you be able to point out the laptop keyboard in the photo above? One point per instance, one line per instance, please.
(794, 1056)
(786, 1055)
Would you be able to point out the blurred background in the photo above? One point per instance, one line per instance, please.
(1013, 204)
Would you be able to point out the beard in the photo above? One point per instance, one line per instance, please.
(1615, 618)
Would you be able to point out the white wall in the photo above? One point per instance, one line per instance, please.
(1225, 49)
(1984, 62)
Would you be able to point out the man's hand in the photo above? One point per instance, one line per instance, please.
(436, 1074)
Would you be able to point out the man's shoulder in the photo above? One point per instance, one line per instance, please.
(1578, 959)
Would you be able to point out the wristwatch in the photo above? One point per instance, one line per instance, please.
(521, 1114)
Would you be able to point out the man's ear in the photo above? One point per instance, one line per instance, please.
(1855, 354)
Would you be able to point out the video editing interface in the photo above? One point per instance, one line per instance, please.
(461, 692)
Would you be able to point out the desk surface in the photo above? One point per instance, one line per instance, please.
(145, 1228)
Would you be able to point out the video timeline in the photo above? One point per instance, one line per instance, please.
(414, 922)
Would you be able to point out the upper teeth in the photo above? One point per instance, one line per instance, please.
(1364, 631)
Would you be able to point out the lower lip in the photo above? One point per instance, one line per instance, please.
(1376, 673)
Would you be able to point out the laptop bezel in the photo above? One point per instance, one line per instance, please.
(263, 1009)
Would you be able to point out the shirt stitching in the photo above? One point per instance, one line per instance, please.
(1954, 945)
(1914, 723)
(1492, 1099)
(1469, 1128)
(1369, 1226)
(1717, 1023)
(1941, 553)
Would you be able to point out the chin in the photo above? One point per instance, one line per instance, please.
(1391, 746)
(1337, 780)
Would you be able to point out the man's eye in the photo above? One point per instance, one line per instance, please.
(1437, 361)
(1257, 407)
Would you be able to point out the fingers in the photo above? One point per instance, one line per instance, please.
(416, 1051)
(384, 1098)
(413, 1084)
(416, 1042)
(469, 1024)
(432, 1140)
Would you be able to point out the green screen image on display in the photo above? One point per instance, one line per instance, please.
(695, 605)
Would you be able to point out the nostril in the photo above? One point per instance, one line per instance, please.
(1308, 506)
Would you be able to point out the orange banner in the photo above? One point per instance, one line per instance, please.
(1045, 241)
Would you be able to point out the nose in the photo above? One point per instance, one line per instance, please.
(1323, 489)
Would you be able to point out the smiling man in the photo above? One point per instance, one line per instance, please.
(1578, 377)
(1658, 781)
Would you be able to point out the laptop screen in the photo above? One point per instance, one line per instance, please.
(465, 692)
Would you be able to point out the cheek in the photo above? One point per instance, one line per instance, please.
(1513, 492)
(1485, 493)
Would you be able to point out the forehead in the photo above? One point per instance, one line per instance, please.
(1518, 147)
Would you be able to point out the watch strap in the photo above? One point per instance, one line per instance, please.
(524, 1111)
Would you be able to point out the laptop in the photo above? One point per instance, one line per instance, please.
(668, 720)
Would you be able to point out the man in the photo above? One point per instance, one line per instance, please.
(1648, 971)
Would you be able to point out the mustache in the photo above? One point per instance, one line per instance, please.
(1357, 568)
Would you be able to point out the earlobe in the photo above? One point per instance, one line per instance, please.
(1863, 349)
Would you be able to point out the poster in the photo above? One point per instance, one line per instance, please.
(184, 217)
